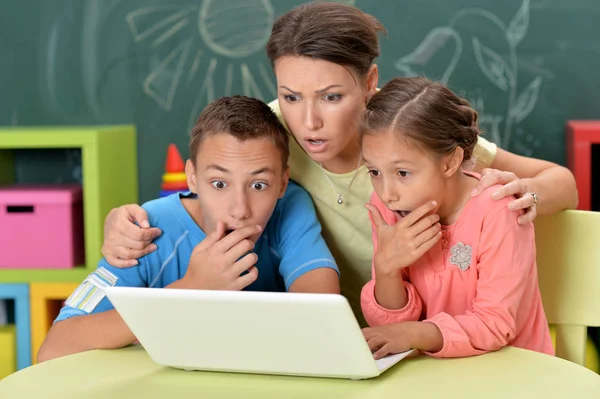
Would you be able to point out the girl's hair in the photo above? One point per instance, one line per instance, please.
(332, 32)
(426, 112)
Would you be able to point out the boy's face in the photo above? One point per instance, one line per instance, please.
(237, 183)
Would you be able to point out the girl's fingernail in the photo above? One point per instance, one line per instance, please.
(512, 206)
(496, 195)
(520, 220)
(474, 192)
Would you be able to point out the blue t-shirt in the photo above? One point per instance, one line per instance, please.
(290, 246)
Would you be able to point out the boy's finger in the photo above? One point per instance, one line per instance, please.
(375, 216)
(230, 240)
(212, 238)
(248, 278)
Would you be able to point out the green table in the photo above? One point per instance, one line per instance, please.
(130, 373)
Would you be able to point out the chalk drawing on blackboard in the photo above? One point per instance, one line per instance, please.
(235, 28)
(143, 22)
(208, 44)
(499, 69)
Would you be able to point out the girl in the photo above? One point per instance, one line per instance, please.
(323, 57)
(453, 275)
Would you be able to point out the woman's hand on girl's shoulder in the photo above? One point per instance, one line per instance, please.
(511, 185)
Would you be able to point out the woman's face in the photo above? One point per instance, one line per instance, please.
(322, 103)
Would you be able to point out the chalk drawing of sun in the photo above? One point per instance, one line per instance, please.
(213, 40)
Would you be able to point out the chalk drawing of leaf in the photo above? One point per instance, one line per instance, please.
(526, 100)
(435, 40)
(493, 66)
(518, 26)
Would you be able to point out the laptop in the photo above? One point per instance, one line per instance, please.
(296, 334)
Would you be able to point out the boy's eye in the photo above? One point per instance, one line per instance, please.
(290, 98)
(332, 97)
(373, 172)
(403, 173)
(218, 184)
(259, 186)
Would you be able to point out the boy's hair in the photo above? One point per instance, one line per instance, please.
(242, 117)
(328, 31)
(426, 112)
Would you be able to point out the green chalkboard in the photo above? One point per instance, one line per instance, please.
(527, 65)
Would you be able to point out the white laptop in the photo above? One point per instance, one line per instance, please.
(249, 332)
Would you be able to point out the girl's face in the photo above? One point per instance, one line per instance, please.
(404, 176)
(322, 103)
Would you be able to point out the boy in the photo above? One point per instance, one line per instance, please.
(242, 226)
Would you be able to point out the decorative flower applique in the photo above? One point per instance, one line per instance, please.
(461, 256)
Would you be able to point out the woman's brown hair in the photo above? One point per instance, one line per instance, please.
(426, 112)
(333, 32)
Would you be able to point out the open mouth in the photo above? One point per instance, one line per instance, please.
(315, 144)
(402, 214)
(229, 231)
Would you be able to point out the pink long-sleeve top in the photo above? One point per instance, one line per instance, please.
(478, 285)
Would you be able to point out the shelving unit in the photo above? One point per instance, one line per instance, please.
(110, 179)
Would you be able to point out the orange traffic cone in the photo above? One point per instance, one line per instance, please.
(174, 162)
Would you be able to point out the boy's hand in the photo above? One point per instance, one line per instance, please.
(403, 243)
(215, 263)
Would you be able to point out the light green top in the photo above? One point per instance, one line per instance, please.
(130, 373)
(346, 227)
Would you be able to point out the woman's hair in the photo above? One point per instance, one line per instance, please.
(327, 31)
(425, 112)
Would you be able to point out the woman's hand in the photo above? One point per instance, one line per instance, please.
(511, 185)
(127, 236)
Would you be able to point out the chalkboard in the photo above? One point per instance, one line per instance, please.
(527, 65)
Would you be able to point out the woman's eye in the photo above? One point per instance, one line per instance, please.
(259, 186)
(218, 184)
(374, 172)
(290, 98)
(332, 97)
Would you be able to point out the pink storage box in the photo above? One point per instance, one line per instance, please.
(41, 227)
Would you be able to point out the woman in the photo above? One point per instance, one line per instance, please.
(322, 55)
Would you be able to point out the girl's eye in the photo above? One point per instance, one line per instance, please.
(218, 184)
(332, 97)
(373, 172)
(259, 186)
(290, 98)
(403, 173)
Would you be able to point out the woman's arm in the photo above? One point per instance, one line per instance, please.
(553, 184)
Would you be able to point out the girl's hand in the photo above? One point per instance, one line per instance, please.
(512, 185)
(127, 236)
(403, 243)
(388, 339)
